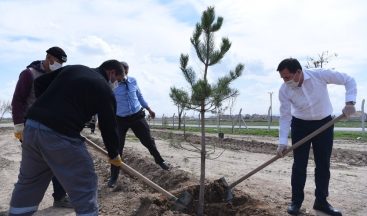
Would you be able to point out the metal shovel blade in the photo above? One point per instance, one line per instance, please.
(228, 195)
(183, 200)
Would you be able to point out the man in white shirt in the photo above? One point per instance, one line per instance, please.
(305, 106)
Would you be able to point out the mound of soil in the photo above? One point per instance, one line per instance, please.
(132, 197)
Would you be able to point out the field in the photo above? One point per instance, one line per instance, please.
(265, 193)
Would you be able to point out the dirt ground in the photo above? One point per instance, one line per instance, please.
(265, 193)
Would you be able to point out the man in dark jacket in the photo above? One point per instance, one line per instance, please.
(52, 145)
(24, 97)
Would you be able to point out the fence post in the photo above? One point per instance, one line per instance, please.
(184, 125)
(232, 121)
(363, 116)
(269, 118)
(173, 121)
(162, 120)
(239, 120)
(199, 121)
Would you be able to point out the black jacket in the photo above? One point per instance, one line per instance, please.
(70, 96)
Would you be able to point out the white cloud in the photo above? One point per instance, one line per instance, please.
(7, 90)
(151, 35)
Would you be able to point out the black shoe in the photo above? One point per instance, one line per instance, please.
(165, 165)
(115, 171)
(63, 203)
(326, 208)
(111, 182)
(293, 209)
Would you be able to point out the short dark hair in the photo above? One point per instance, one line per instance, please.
(125, 65)
(291, 64)
(113, 65)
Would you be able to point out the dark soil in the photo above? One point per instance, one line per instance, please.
(350, 157)
(133, 197)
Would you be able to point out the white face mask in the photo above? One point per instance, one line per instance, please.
(292, 83)
(55, 66)
(113, 85)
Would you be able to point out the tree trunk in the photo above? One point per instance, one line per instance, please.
(179, 121)
(180, 118)
(202, 170)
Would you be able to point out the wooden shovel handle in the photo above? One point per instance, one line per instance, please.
(135, 173)
(296, 145)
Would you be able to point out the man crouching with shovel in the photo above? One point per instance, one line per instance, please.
(305, 106)
(52, 145)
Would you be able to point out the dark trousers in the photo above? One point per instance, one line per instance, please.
(322, 145)
(140, 127)
(59, 191)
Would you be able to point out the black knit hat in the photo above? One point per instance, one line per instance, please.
(58, 53)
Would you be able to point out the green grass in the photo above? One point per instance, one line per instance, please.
(350, 123)
(346, 135)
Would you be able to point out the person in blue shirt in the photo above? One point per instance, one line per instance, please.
(130, 115)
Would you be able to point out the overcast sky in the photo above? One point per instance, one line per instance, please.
(150, 35)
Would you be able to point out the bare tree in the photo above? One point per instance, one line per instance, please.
(5, 106)
(231, 104)
(180, 98)
(321, 60)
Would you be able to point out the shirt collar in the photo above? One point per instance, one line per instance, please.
(127, 80)
(306, 75)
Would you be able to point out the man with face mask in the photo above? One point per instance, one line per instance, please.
(130, 115)
(52, 145)
(305, 106)
(24, 97)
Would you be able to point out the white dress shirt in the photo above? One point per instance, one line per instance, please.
(311, 100)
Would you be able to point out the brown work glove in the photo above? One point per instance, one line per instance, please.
(18, 131)
(116, 161)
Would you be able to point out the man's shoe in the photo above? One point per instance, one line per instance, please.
(165, 165)
(326, 208)
(112, 182)
(115, 171)
(293, 209)
(63, 203)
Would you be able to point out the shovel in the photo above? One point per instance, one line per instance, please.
(180, 203)
(229, 194)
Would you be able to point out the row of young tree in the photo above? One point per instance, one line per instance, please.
(203, 96)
